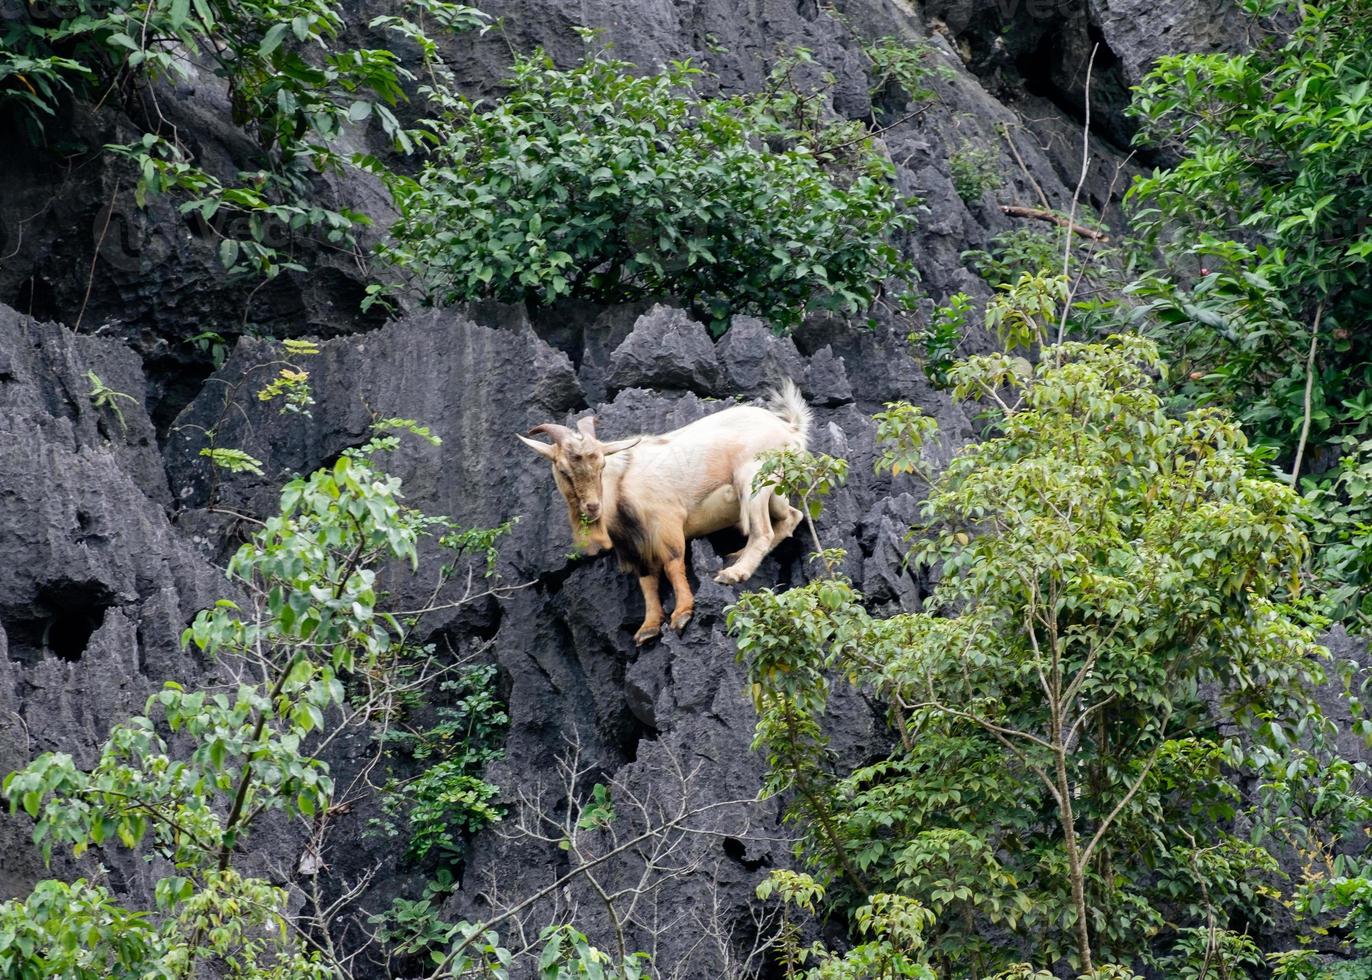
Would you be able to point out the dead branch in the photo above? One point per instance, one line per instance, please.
(622, 867)
(1024, 169)
(1039, 214)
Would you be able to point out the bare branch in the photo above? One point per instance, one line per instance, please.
(1039, 214)
(1309, 388)
(1076, 193)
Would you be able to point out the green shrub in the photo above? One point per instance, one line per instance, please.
(597, 183)
(940, 342)
(1014, 253)
(905, 66)
(449, 799)
(974, 170)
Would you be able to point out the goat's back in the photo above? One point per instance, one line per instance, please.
(689, 463)
(740, 433)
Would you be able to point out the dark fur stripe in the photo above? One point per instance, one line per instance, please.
(630, 538)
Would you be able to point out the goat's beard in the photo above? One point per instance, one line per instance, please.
(592, 538)
(590, 535)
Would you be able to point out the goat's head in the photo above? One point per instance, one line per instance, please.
(578, 459)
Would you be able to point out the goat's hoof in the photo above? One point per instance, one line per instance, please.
(646, 633)
(680, 619)
(730, 576)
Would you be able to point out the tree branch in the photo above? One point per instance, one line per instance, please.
(1039, 214)
(1133, 790)
(483, 927)
(1309, 390)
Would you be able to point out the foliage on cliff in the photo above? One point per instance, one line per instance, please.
(1264, 294)
(596, 183)
(191, 782)
(294, 88)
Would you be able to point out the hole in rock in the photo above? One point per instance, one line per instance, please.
(58, 623)
(736, 850)
(36, 298)
(173, 383)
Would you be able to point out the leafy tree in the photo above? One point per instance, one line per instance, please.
(190, 781)
(1263, 222)
(598, 183)
(1112, 611)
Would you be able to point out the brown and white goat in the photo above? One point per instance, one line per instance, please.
(645, 496)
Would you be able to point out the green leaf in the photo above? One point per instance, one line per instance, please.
(271, 40)
(228, 253)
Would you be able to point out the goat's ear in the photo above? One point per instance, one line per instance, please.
(542, 448)
(610, 448)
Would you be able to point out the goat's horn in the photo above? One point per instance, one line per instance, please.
(555, 432)
(587, 426)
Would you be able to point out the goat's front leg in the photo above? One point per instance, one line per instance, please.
(652, 610)
(685, 605)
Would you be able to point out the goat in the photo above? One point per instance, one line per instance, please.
(646, 495)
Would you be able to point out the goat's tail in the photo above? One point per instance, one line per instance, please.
(788, 404)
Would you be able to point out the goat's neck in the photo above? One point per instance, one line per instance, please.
(610, 478)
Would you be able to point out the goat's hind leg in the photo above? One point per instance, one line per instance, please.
(785, 519)
(759, 525)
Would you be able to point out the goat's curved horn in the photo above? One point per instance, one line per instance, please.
(587, 426)
(557, 433)
(542, 448)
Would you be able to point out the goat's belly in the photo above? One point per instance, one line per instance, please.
(716, 512)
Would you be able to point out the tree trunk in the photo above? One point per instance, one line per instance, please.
(1069, 843)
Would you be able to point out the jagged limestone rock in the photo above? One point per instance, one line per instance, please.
(666, 350)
